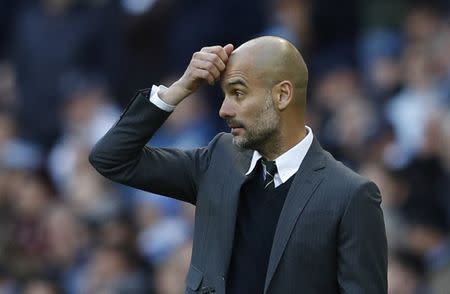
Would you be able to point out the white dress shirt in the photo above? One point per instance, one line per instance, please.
(154, 98)
(287, 163)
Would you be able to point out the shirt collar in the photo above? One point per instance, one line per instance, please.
(289, 162)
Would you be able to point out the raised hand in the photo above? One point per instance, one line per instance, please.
(206, 66)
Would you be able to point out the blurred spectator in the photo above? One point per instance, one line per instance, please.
(382, 13)
(145, 26)
(410, 110)
(441, 59)
(378, 54)
(438, 267)
(8, 9)
(173, 270)
(29, 195)
(88, 113)
(291, 20)
(7, 285)
(110, 271)
(50, 38)
(40, 286)
(91, 196)
(232, 21)
(8, 100)
(158, 240)
(340, 107)
(67, 243)
(404, 275)
(422, 21)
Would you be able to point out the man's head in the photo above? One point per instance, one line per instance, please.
(265, 92)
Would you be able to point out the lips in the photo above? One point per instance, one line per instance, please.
(235, 126)
(236, 131)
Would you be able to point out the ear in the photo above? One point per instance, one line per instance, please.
(282, 94)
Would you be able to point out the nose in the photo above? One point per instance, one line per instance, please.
(227, 109)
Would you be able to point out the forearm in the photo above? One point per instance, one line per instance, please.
(174, 94)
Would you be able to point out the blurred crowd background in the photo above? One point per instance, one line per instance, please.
(379, 100)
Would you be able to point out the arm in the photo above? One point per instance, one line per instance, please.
(121, 155)
(362, 245)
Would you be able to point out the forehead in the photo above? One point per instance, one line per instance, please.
(239, 70)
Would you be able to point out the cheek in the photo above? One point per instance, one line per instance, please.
(249, 119)
(251, 111)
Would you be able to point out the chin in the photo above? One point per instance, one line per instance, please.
(240, 142)
(243, 143)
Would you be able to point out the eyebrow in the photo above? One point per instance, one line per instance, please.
(236, 81)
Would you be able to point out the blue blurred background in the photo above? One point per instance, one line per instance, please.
(379, 100)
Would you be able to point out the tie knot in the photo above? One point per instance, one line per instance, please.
(271, 167)
(271, 170)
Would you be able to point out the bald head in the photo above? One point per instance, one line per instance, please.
(272, 60)
(264, 83)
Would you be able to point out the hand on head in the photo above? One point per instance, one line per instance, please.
(206, 65)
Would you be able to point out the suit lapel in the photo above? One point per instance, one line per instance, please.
(303, 186)
(234, 178)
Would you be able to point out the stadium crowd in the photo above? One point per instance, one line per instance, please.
(379, 100)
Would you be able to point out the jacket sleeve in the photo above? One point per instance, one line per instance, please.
(362, 245)
(122, 155)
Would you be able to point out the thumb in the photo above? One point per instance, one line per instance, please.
(228, 49)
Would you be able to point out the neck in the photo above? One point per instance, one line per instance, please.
(282, 142)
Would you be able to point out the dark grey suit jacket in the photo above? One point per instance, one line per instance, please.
(330, 237)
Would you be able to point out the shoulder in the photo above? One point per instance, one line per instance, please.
(218, 142)
(224, 153)
(342, 173)
(345, 183)
(223, 143)
(217, 146)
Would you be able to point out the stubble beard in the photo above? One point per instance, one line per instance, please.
(262, 131)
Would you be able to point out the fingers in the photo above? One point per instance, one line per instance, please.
(228, 49)
(207, 76)
(212, 59)
(217, 50)
(207, 66)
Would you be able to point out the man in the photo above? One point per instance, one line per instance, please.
(275, 213)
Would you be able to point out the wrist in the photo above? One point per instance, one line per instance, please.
(173, 95)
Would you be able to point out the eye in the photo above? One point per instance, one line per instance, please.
(238, 93)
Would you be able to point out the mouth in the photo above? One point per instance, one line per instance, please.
(235, 127)
(236, 130)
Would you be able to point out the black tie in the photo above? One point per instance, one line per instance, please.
(270, 171)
